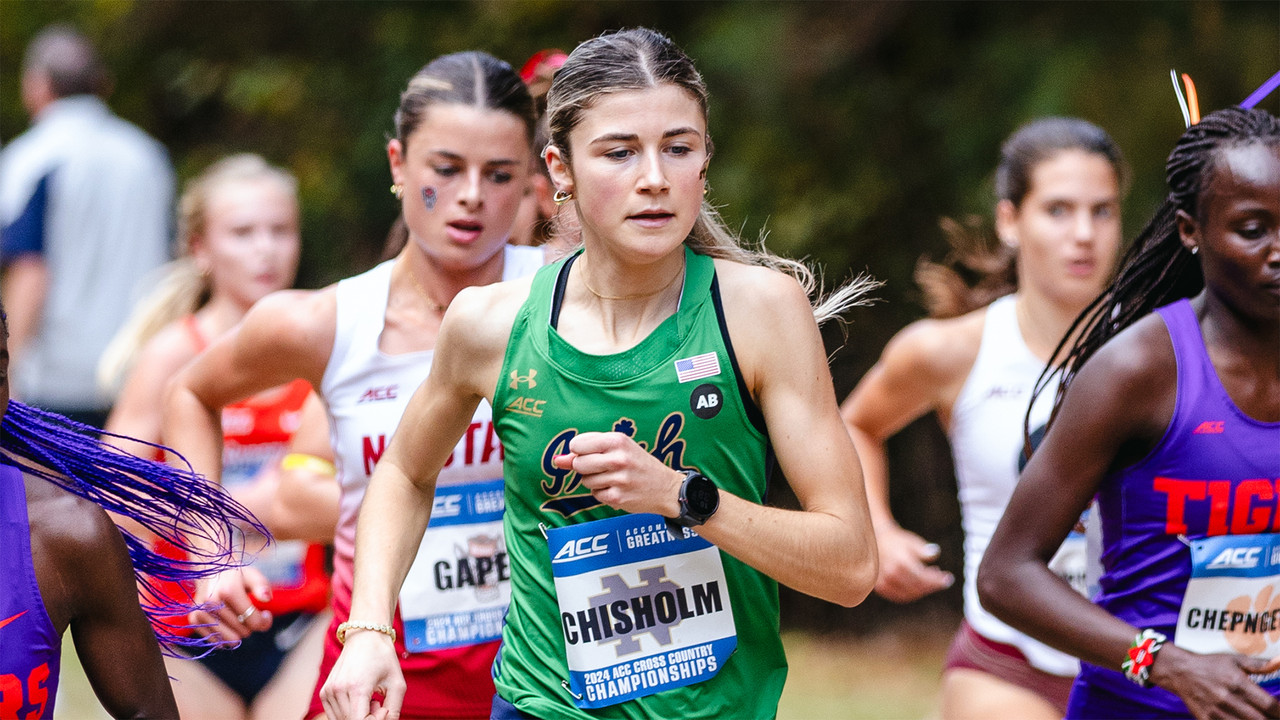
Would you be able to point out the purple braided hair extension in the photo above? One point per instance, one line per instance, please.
(178, 505)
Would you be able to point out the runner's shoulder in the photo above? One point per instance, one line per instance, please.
(303, 318)
(942, 350)
(481, 316)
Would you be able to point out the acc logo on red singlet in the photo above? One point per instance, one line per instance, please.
(706, 400)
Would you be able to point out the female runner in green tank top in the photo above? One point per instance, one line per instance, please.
(637, 434)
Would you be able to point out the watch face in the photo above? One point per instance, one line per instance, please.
(701, 495)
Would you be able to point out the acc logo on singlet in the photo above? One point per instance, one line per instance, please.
(377, 394)
(525, 405)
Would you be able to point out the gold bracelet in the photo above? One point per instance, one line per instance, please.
(341, 632)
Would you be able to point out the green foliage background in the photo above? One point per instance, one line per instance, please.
(844, 129)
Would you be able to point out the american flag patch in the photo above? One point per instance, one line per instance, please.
(697, 367)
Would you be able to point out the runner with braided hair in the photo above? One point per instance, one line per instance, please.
(1170, 416)
(65, 564)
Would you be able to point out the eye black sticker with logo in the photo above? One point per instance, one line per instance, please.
(706, 400)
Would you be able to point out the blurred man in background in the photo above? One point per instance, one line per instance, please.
(86, 207)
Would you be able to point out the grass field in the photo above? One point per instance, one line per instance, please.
(891, 676)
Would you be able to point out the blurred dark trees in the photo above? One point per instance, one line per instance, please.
(844, 129)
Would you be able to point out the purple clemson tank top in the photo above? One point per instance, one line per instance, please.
(30, 649)
(1215, 474)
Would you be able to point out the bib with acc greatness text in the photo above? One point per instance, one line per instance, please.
(641, 610)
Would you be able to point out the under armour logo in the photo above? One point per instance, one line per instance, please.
(517, 378)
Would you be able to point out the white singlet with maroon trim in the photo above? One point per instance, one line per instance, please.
(986, 442)
(366, 391)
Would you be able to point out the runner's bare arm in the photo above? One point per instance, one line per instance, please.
(921, 370)
(1056, 486)
(286, 335)
(828, 549)
(87, 582)
(304, 505)
(138, 412)
(1115, 411)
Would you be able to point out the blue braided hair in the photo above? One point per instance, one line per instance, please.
(175, 503)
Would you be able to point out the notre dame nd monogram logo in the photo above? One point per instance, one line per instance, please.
(517, 378)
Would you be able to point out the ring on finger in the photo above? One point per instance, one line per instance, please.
(247, 613)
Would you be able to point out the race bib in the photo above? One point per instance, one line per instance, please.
(1232, 603)
(458, 588)
(641, 610)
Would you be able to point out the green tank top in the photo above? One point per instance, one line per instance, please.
(678, 393)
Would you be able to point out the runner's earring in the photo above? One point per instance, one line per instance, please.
(398, 191)
(1195, 249)
(561, 197)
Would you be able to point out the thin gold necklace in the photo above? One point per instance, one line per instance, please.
(435, 304)
(1033, 333)
(633, 296)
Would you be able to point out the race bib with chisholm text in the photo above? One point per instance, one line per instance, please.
(641, 610)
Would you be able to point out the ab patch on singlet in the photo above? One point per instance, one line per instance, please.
(706, 401)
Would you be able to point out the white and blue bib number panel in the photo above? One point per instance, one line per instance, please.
(1232, 603)
(641, 610)
(458, 588)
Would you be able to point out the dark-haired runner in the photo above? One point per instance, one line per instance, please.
(975, 365)
(1171, 417)
(622, 403)
(460, 162)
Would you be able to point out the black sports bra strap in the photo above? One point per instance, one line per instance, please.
(557, 295)
(753, 411)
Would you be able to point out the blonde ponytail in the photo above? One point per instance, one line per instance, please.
(181, 290)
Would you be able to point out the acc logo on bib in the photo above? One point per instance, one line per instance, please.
(458, 588)
(641, 610)
(1232, 602)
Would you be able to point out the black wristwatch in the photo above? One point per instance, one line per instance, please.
(699, 499)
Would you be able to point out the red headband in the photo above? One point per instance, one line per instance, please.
(550, 58)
